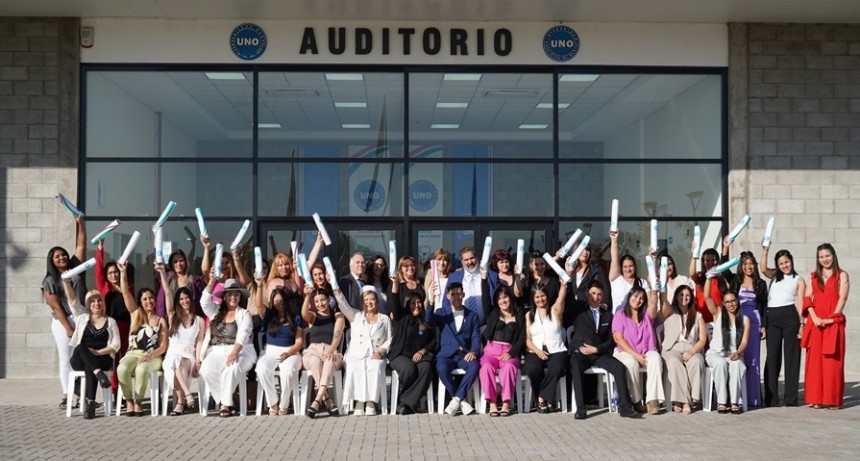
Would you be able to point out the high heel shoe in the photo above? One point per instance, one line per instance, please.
(332, 408)
(312, 410)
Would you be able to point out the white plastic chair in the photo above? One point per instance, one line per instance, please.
(294, 393)
(708, 392)
(168, 392)
(307, 394)
(107, 396)
(561, 393)
(243, 397)
(155, 379)
(395, 393)
(518, 394)
(602, 391)
(440, 395)
(348, 403)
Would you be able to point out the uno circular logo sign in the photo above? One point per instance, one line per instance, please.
(369, 195)
(561, 43)
(248, 41)
(423, 195)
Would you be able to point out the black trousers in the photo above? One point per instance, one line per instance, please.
(783, 326)
(84, 360)
(544, 375)
(415, 379)
(579, 363)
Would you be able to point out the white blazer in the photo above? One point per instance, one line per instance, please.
(244, 324)
(365, 337)
(81, 319)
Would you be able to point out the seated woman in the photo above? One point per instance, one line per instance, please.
(503, 264)
(636, 346)
(413, 344)
(147, 343)
(284, 339)
(185, 335)
(283, 276)
(368, 346)
(406, 282)
(725, 356)
(684, 339)
(95, 341)
(546, 360)
(321, 357)
(504, 337)
(227, 350)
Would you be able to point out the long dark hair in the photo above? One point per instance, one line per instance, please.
(724, 321)
(501, 255)
(407, 311)
(628, 311)
(759, 285)
(504, 290)
(222, 312)
(52, 271)
(671, 260)
(635, 267)
(690, 321)
(370, 275)
(176, 319)
(282, 317)
(819, 270)
(780, 254)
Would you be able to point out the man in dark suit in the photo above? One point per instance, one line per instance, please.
(470, 277)
(459, 347)
(352, 283)
(592, 345)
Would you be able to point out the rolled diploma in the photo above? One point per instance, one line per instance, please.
(164, 215)
(744, 221)
(80, 268)
(219, 251)
(664, 273)
(258, 262)
(725, 266)
(129, 248)
(303, 269)
(159, 245)
(613, 220)
(654, 234)
(107, 230)
(322, 230)
(241, 235)
(392, 258)
(697, 242)
(485, 255)
(582, 246)
(434, 266)
(295, 247)
(521, 249)
(554, 265)
(330, 270)
(569, 244)
(69, 205)
(768, 233)
(652, 272)
(201, 224)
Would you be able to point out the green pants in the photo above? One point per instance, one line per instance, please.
(130, 366)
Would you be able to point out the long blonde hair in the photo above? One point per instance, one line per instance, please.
(273, 268)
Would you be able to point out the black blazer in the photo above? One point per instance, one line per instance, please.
(491, 316)
(351, 291)
(584, 329)
(594, 272)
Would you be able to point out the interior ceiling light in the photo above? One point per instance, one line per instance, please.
(347, 105)
(462, 77)
(452, 105)
(225, 76)
(533, 127)
(548, 105)
(510, 93)
(356, 125)
(445, 126)
(578, 78)
(344, 77)
(269, 125)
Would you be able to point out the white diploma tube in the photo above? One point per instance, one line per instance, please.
(159, 245)
(258, 262)
(768, 233)
(664, 274)
(164, 215)
(570, 242)
(294, 246)
(521, 250)
(331, 274)
(737, 230)
(129, 248)
(392, 258)
(697, 242)
(613, 220)
(304, 270)
(107, 230)
(69, 205)
(322, 230)
(80, 268)
(654, 234)
(582, 246)
(219, 251)
(241, 235)
(434, 266)
(554, 265)
(724, 266)
(488, 248)
(652, 271)
(201, 224)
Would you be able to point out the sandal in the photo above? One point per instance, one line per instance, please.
(178, 410)
(494, 414)
(282, 412)
(190, 404)
(722, 409)
(686, 409)
(312, 410)
(234, 411)
(273, 410)
(736, 410)
(225, 413)
(543, 407)
(504, 413)
(332, 408)
(677, 408)
(63, 403)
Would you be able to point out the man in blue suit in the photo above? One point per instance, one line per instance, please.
(460, 346)
(470, 277)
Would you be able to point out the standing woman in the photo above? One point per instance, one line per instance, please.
(824, 340)
(179, 276)
(504, 337)
(783, 318)
(282, 275)
(636, 346)
(107, 282)
(443, 263)
(62, 323)
(321, 357)
(503, 264)
(684, 339)
(185, 335)
(751, 291)
(622, 274)
(227, 352)
(728, 344)
(675, 279)
(406, 282)
(587, 271)
(376, 274)
(368, 346)
(547, 357)
(284, 339)
(538, 279)
(413, 343)
(147, 343)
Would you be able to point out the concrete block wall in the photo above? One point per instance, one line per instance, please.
(39, 81)
(794, 144)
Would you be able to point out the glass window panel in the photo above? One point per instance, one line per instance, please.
(325, 114)
(169, 114)
(131, 189)
(640, 116)
(452, 240)
(642, 190)
(507, 111)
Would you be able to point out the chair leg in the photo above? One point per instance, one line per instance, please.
(70, 393)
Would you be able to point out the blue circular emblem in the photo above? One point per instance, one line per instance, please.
(561, 43)
(369, 195)
(423, 195)
(248, 41)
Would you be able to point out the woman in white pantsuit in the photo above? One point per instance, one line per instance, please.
(725, 357)
(365, 355)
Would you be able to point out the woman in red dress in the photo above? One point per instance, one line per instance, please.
(824, 338)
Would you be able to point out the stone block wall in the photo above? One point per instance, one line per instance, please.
(39, 126)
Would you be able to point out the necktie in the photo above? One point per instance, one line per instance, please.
(596, 314)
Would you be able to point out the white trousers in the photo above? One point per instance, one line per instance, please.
(365, 378)
(221, 379)
(64, 351)
(288, 371)
(653, 380)
(727, 373)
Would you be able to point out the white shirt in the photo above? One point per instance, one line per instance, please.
(472, 290)
(459, 316)
(620, 288)
(546, 332)
(783, 293)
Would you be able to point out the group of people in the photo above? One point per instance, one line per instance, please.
(480, 323)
